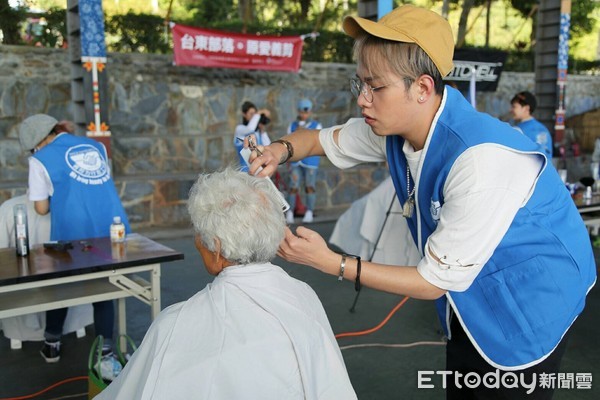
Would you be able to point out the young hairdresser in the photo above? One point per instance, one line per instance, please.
(304, 170)
(505, 253)
(69, 175)
(522, 107)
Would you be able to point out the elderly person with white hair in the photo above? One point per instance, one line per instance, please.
(254, 332)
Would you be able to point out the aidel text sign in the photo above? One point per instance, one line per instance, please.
(486, 66)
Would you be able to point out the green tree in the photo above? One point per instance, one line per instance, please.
(581, 23)
(55, 32)
(10, 20)
(137, 33)
(205, 11)
(463, 28)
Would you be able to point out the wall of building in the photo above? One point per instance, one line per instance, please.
(170, 123)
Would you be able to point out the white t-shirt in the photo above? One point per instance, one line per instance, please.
(485, 189)
(40, 185)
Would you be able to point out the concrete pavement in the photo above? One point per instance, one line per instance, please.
(376, 372)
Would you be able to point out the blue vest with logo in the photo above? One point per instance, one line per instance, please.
(85, 199)
(537, 132)
(312, 161)
(534, 286)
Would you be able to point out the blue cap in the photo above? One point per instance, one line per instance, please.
(305, 105)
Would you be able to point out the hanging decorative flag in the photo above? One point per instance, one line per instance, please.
(93, 57)
(217, 49)
(563, 60)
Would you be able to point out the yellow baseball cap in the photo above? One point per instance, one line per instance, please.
(411, 24)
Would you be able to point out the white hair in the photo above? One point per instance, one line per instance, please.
(243, 212)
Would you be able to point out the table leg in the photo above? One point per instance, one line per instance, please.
(122, 324)
(155, 291)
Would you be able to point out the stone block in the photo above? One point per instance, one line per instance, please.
(37, 98)
(122, 123)
(140, 213)
(172, 191)
(214, 154)
(134, 190)
(13, 162)
(12, 101)
(345, 193)
(8, 127)
(149, 105)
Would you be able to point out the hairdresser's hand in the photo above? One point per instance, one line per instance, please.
(267, 158)
(309, 248)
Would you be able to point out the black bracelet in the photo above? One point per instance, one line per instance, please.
(357, 285)
(288, 146)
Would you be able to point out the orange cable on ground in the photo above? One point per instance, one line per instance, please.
(31, 396)
(376, 328)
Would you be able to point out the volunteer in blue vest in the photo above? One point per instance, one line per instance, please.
(522, 107)
(505, 253)
(304, 170)
(69, 177)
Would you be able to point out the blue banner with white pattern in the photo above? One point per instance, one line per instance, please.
(91, 19)
(563, 40)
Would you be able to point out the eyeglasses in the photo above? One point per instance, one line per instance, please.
(357, 87)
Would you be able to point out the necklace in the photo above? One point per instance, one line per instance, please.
(409, 206)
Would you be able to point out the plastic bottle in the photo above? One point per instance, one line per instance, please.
(117, 230)
(21, 229)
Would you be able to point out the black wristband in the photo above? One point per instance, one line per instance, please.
(357, 285)
(288, 146)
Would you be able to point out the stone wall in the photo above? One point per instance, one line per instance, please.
(170, 123)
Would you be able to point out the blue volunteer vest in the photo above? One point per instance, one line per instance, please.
(312, 161)
(534, 285)
(537, 132)
(85, 199)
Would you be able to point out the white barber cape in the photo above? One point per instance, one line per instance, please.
(253, 333)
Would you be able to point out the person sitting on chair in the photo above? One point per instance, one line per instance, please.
(254, 332)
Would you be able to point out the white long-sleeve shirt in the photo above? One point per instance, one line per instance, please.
(483, 192)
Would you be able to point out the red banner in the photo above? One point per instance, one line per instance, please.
(211, 48)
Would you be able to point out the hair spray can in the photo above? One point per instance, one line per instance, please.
(21, 230)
